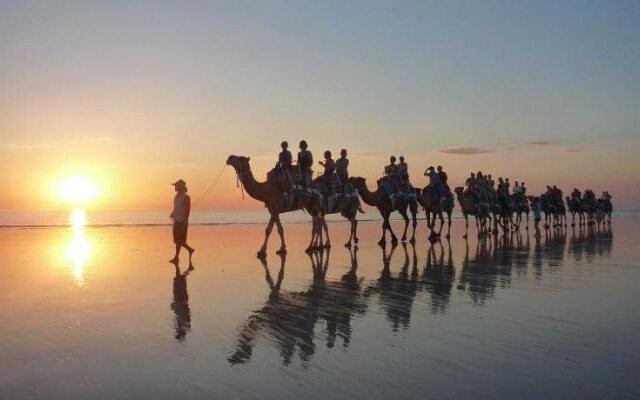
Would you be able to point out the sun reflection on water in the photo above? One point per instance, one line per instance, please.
(78, 248)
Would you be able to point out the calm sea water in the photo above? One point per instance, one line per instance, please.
(13, 219)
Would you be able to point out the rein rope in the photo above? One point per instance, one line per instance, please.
(240, 183)
(211, 187)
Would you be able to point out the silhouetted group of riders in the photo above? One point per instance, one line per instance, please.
(479, 188)
(302, 173)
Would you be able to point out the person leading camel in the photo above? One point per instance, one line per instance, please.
(180, 217)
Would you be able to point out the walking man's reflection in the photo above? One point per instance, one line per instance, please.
(180, 305)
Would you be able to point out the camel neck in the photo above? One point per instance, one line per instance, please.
(252, 187)
(370, 198)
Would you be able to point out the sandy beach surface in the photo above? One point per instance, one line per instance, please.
(99, 313)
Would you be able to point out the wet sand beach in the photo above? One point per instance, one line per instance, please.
(99, 313)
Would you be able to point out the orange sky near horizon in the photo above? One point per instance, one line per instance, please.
(123, 184)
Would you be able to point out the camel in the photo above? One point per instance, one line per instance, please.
(589, 205)
(575, 208)
(469, 208)
(349, 209)
(274, 199)
(381, 201)
(520, 207)
(550, 210)
(435, 205)
(504, 212)
(608, 209)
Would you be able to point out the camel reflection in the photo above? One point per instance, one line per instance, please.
(590, 242)
(438, 277)
(491, 266)
(396, 294)
(180, 304)
(288, 319)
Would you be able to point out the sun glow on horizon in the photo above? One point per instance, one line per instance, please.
(78, 189)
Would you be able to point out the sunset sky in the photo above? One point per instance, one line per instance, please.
(134, 95)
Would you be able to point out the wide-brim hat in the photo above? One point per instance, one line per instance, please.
(179, 183)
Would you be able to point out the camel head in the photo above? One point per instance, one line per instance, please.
(358, 182)
(239, 163)
(459, 190)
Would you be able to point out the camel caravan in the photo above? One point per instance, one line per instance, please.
(291, 186)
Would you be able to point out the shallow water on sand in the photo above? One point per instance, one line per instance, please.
(99, 313)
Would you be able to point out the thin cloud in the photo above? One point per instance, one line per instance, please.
(464, 150)
(571, 150)
(540, 143)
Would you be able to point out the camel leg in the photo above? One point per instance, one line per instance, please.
(283, 246)
(319, 243)
(267, 232)
(573, 218)
(385, 221)
(406, 224)
(394, 238)
(325, 227)
(355, 231)
(314, 233)
(428, 218)
(414, 224)
(466, 226)
(448, 225)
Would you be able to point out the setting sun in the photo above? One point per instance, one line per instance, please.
(77, 189)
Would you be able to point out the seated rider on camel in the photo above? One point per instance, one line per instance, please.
(329, 169)
(557, 194)
(402, 170)
(284, 161)
(443, 178)
(391, 171)
(305, 161)
(435, 184)
(342, 164)
(575, 194)
(471, 188)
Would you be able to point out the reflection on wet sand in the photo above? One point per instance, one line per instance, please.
(288, 319)
(585, 244)
(180, 304)
(78, 249)
(396, 293)
(438, 276)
